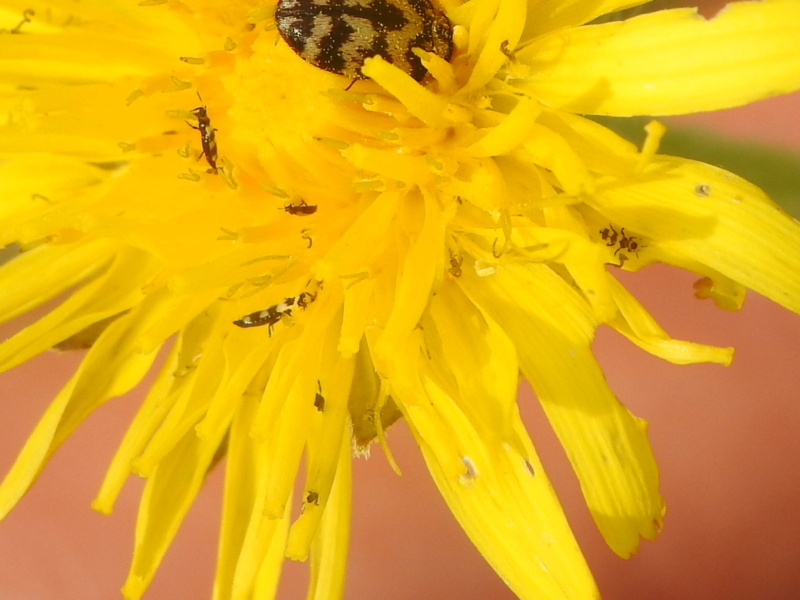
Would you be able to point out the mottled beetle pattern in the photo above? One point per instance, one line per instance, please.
(338, 35)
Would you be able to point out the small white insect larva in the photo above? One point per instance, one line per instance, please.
(338, 35)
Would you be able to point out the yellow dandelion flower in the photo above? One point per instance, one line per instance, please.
(307, 256)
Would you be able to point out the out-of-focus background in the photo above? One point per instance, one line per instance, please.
(726, 440)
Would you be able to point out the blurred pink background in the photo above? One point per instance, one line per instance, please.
(726, 440)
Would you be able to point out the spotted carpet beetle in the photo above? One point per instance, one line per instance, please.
(338, 35)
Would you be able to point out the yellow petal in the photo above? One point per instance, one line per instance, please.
(551, 15)
(418, 100)
(242, 361)
(110, 369)
(167, 497)
(162, 420)
(357, 300)
(364, 240)
(669, 62)
(582, 258)
(421, 265)
(93, 41)
(501, 498)
(704, 216)
(111, 293)
(35, 184)
(724, 291)
(36, 58)
(323, 436)
(551, 151)
(329, 552)
(287, 407)
(265, 586)
(369, 410)
(480, 371)
(148, 417)
(504, 27)
(195, 384)
(635, 323)
(552, 328)
(251, 546)
(57, 269)
(512, 131)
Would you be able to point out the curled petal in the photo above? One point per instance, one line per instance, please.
(707, 218)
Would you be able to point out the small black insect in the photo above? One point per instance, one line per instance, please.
(455, 265)
(612, 237)
(304, 299)
(272, 315)
(338, 35)
(628, 243)
(319, 399)
(208, 138)
(303, 209)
